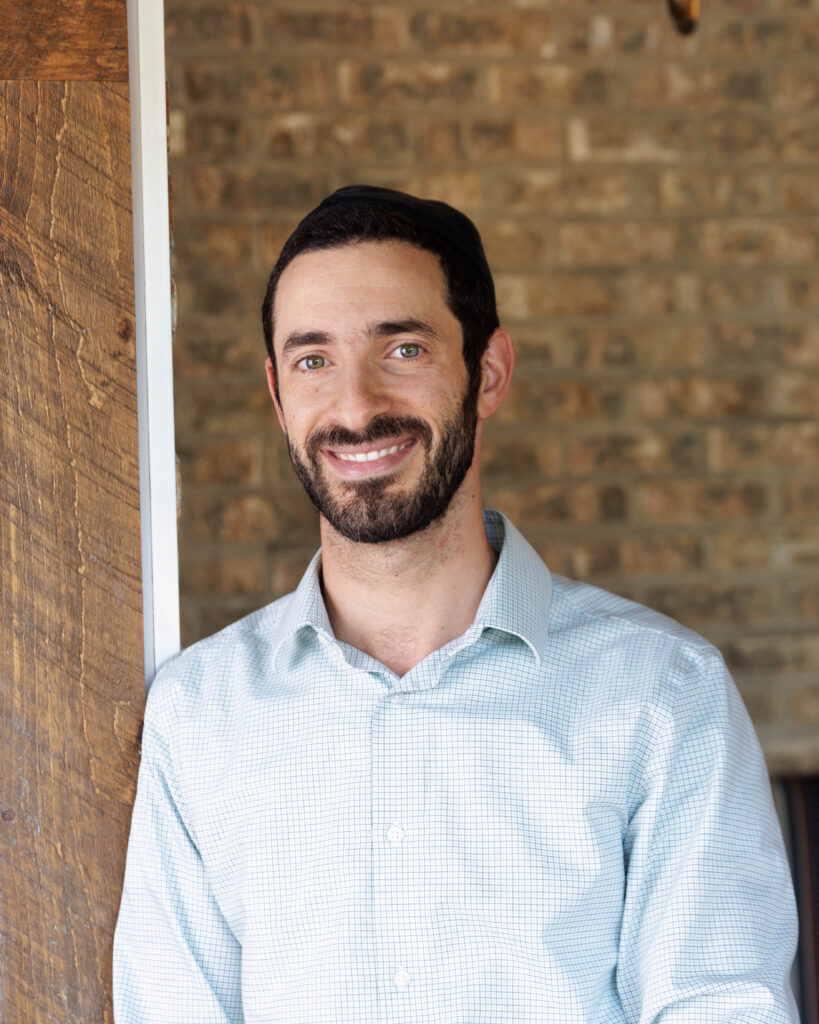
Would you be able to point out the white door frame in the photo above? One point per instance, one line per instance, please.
(152, 295)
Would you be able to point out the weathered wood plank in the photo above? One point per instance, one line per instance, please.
(71, 674)
(83, 40)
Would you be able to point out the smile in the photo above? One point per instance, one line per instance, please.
(378, 453)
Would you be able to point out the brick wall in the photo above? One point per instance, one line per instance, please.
(650, 206)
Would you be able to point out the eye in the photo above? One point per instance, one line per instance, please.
(312, 362)
(408, 350)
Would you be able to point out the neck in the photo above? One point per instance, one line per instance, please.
(401, 600)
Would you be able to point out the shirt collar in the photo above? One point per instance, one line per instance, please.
(516, 600)
(518, 596)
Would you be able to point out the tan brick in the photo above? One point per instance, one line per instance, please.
(505, 139)
(661, 553)
(213, 616)
(795, 393)
(600, 33)
(686, 190)
(798, 291)
(697, 603)
(517, 243)
(732, 550)
(249, 517)
(561, 294)
(223, 243)
(441, 138)
(293, 135)
(630, 139)
(565, 191)
(586, 243)
(797, 547)
(203, 28)
(747, 37)
(735, 137)
(332, 27)
(225, 462)
(501, 32)
(752, 343)
(520, 456)
(797, 137)
(737, 291)
(707, 88)
(760, 703)
(804, 704)
(796, 89)
(251, 83)
(274, 233)
(700, 397)
(751, 242)
(664, 292)
(584, 503)
(287, 567)
(773, 652)
(217, 135)
(541, 400)
(202, 350)
(803, 599)
(218, 292)
(406, 83)
(800, 498)
(643, 451)
(226, 575)
(249, 188)
(763, 446)
(556, 86)
(799, 191)
(701, 500)
(220, 407)
(677, 346)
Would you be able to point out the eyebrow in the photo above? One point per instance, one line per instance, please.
(382, 329)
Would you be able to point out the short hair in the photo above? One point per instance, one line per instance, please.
(367, 213)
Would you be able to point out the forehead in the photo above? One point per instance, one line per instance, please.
(371, 279)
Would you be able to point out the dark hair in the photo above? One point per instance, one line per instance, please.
(365, 213)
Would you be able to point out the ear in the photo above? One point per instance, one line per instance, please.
(497, 364)
(271, 387)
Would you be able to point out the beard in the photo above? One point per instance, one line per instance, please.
(365, 511)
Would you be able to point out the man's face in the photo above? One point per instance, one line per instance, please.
(375, 403)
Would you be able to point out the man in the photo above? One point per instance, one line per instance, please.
(438, 783)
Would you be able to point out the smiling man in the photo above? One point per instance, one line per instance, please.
(437, 782)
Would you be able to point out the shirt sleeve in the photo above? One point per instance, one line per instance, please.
(176, 960)
(709, 920)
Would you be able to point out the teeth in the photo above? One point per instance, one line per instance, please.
(367, 456)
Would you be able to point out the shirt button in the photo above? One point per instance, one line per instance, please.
(401, 979)
(395, 835)
(396, 698)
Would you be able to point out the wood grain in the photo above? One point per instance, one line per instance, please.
(71, 675)
(71, 40)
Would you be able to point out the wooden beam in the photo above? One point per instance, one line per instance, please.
(64, 40)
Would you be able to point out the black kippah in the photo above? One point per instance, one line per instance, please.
(449, 224)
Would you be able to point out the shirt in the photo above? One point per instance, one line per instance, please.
(562, 815)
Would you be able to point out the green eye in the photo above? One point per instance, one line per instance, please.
(410, 350)
(314, 362)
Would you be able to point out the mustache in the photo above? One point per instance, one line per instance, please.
(379, 428)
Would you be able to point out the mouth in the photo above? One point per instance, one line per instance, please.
(355, 462)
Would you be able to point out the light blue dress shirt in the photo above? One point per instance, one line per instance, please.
(561, 816)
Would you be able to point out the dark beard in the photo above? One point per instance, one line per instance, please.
(372, 515)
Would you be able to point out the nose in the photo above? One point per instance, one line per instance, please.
(360, 397)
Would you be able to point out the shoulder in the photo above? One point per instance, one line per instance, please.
(634, 647)
(214, 671)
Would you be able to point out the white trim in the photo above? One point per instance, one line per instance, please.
(152, 294)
